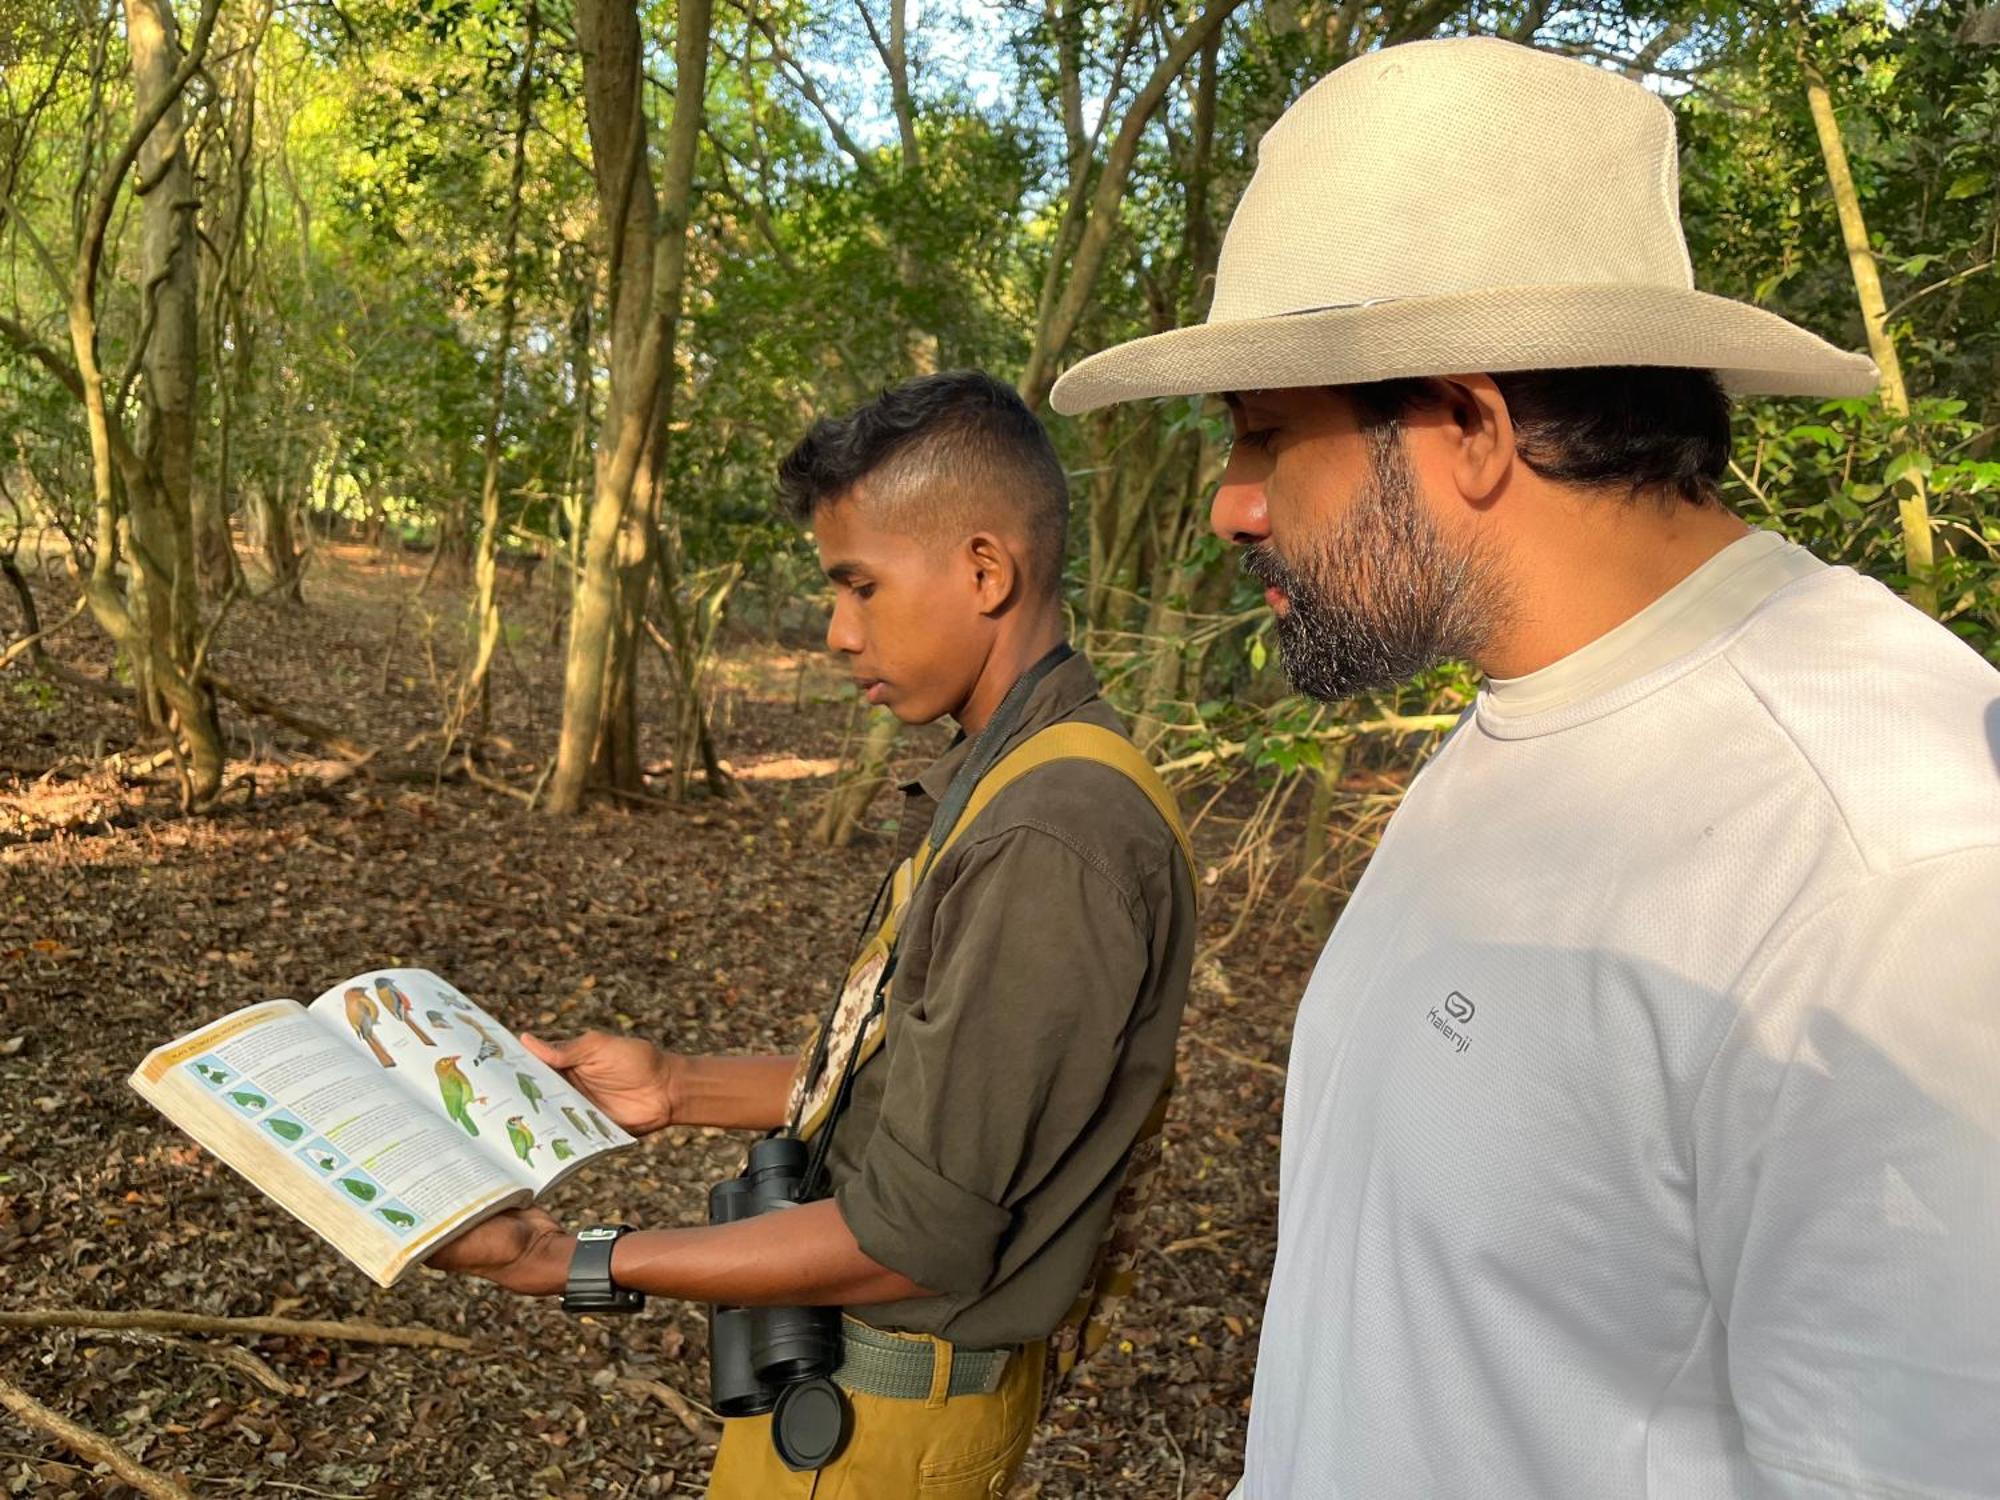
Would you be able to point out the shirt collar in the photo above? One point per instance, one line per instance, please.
(1717, 596)
(1068, 686)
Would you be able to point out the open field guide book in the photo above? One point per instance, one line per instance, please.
(389, 1115)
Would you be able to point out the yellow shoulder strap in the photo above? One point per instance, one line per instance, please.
(1076, 741)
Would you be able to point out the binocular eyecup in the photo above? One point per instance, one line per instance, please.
(776, 1359)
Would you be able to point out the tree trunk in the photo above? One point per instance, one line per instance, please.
(169, 298)
(155, 623)
(486, 565)
(1913, 504)
(1317, 917)
(849, 799)
(1052, 332)
(645, 297)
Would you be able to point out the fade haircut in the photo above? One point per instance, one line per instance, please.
(1652, 431)
(941, 456)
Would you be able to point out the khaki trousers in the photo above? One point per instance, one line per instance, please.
(943, 1448)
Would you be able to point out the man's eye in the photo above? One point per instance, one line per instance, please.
(863, 590)
(1261, 438)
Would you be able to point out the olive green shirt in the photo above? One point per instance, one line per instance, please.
(1032, 1022)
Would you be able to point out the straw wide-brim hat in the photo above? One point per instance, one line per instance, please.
(1459, 206)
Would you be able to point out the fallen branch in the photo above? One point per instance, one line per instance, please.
(1236, 1057)
(292, 1328)
(672, 1400)
(1196, 1242)
(320, 734)
(81, 1440)
(238, 1359)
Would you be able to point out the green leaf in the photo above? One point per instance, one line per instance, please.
(1906, 463)
(1967, 185)
(1258, 656)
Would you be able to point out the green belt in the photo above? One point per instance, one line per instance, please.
(881, 1364)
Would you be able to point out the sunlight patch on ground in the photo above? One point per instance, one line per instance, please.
(782, 768)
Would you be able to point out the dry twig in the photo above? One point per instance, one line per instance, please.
(296, 1328)
(237, 1358)
(99, 1450)
(671, 1399)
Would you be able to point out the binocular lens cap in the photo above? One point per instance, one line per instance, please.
(809, 1424)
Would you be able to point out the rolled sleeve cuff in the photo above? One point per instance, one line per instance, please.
(905, 1216)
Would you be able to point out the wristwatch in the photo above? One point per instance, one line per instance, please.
(590, 1288)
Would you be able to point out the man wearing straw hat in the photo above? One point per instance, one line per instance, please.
(1642, 1128)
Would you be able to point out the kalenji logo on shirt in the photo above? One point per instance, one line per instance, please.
(1460, 1010)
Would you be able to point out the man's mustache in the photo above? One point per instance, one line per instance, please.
(1261, 562)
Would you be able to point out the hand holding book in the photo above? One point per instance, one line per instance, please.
(390, 1115)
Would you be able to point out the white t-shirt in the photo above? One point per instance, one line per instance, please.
(1642, 1131)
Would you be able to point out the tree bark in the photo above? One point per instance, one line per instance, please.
(645, 294)
(154, 624)
(486, 564)
(170, 297)
(1053, 332)
(1913, 504)
(840, 817)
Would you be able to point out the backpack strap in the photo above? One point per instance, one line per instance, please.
(1065, 741)
(1072, 741)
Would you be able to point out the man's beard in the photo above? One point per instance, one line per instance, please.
(1384, 595)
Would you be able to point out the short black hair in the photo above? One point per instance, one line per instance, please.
(943, 450)
(1650, 430)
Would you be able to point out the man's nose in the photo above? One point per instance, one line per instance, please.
(1238, 514)
(843, 633)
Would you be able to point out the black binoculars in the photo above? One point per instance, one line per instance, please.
(776, 1359)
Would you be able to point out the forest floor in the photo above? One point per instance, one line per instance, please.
(706, 925)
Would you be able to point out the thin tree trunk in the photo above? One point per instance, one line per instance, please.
(156, 625)
(486, 567)
(1913, 504)
(841, 814)
(1052, 333)
(645, 291)
(1318, 915)
(170, 296)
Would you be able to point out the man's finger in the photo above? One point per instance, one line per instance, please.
(555, 1054)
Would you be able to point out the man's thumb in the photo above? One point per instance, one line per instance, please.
(555, 1054)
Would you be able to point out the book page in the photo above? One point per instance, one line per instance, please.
(498, 1098)
(291, 1107)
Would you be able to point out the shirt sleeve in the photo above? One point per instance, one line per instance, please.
(1001, 1061)
(1847, 1162)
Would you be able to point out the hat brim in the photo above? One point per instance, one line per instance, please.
(1494, 330)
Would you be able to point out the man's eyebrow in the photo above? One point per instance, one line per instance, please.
(843, 571)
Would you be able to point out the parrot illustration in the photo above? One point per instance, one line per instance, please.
(249, 1100)
(562, 1148)
(521, 1139)
(576, 1120)
(324, 1162)
(436, 1018)
(400, 1008)
(529, 1092)
(286, 1128)
(214, 1075)
(488, 1048)
(397, 1217)
(596, 1119)
(457, 1091)
(361, 1015)
(365, 1191)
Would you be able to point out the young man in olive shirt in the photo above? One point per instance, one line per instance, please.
(1037, 992)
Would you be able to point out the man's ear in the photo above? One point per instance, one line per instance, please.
(1478, 434)
(996, 571)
